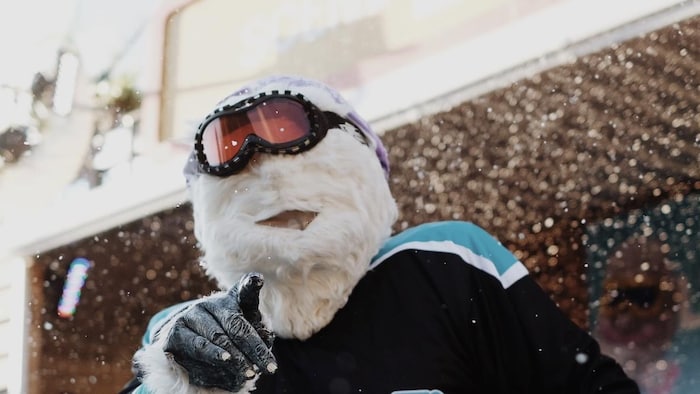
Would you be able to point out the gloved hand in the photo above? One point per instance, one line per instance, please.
(221, 341)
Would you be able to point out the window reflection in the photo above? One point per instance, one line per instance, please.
(644, 283)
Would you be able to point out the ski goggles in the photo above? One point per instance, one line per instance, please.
(274, 122)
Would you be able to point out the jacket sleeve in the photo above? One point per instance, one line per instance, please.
(567, 359)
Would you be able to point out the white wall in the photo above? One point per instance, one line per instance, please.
(12, 330)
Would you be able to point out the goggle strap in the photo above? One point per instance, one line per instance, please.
(335, 120)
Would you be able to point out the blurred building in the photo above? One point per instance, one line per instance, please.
(540, 135)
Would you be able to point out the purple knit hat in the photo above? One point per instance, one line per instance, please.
(320, 94)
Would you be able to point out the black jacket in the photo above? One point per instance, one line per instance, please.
(445, 308)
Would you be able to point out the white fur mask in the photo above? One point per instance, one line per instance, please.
(309, 273)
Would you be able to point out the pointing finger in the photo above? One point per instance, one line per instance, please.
(249, 297)
(249, 301)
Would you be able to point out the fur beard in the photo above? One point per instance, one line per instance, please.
(308, 273)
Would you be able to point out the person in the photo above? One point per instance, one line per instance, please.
(294, 214)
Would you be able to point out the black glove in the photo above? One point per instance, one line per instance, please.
(221, 341)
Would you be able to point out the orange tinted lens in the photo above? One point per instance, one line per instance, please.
(279, 121)
(223, 137)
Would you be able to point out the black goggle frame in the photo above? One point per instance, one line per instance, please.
(319, 123)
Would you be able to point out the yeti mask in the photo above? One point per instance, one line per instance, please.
(308, 214)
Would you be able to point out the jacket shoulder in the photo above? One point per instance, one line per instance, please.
(474, 245)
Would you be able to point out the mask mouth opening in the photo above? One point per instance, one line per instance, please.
(293, 220)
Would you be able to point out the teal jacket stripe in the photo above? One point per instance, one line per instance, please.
(477, 247)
